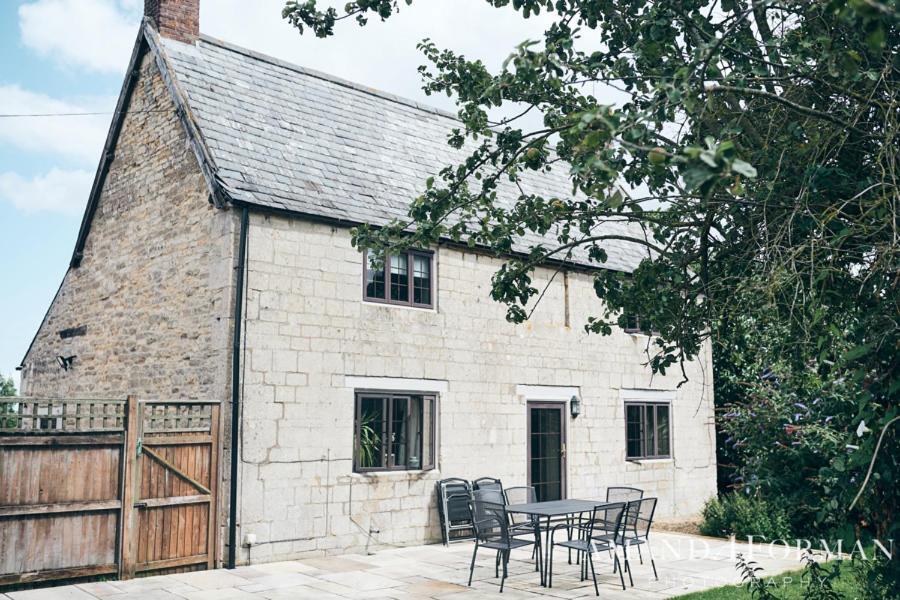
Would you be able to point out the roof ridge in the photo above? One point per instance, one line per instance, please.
(231, 47)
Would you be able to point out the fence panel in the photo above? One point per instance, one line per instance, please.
(96, 487)
(60, 488)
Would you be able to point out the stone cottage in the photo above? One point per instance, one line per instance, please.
(214, 261)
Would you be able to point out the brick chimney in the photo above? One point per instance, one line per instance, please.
(175, 19)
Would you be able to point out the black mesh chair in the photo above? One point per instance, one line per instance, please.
(524, 524)
(453, 509)
(487, 483)
(592, 536)
(619, 494)
(636, 531)
(523, 494)
(623, 494)
(492, 531)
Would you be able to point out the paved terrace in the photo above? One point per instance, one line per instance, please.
(685, 564)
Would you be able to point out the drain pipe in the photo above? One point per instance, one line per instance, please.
(236, 390)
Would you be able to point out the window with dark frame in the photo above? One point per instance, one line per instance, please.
(406, 279)
(394, 432)
(635, 324)
(648, 431)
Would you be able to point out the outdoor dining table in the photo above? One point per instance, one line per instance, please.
(548, 510)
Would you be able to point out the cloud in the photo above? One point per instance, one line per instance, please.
(93, 34)
(77, 137)
(58, 191)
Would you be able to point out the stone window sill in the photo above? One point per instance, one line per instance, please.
(649, 461)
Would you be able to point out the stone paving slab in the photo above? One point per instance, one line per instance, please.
(685, 564)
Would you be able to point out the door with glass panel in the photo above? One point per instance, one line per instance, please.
(547, 450)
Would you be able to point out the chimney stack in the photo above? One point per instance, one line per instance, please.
(175, 19)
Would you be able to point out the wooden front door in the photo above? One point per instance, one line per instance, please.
(547, 449)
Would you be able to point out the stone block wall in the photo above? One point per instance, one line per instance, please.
(310, 338)
(153, 291)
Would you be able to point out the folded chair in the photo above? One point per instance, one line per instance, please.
(453, 508)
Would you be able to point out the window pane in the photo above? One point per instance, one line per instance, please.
(400, 278)
(428, 433)
(631, 322)
(662, 428)
(369, 446)
(421, 279)
(374, 278)
(649, 431)
(415, 438)
(399, 431)
(633, 430)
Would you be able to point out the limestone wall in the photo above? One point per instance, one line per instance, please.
(308, 332)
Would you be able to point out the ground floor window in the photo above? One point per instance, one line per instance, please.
(394, 431)
(648, 432)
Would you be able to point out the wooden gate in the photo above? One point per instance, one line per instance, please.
(173, 507)
(105, 487)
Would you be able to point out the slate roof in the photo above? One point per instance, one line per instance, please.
(283, 137)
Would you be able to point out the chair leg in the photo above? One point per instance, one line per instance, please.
(472, 566)
(505, 554)
(590, 558)
(627, 566)
(550, 567)
(640, 556)
(652, 562)
(616, 567)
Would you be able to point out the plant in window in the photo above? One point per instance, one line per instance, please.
(369, 440)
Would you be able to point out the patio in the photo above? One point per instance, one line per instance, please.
(685, 563)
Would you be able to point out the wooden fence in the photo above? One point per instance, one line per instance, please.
(106, 487)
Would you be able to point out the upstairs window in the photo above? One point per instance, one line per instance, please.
(647, 430)
(404, 279)
(394, 431)
(635, 324)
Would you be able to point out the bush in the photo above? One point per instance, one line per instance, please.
(743, 515)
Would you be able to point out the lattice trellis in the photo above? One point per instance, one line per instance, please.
(177, 417)
(46, 415)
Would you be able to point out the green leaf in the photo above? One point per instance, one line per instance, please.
(743, 168)
(858, 351)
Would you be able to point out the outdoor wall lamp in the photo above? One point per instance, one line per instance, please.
(65, 361)
(575, 406)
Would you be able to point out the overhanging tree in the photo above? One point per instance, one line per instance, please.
(762, 140)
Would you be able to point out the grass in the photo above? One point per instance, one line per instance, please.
(786, 586)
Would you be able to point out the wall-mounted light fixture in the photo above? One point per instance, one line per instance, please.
(65, 361)
(575, 406)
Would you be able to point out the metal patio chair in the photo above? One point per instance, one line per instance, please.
(592, 536)
(524, 524)
(492, 531)
(619, 494)
(636, 532)
(453, 508)
(623, 494)
(487, 483)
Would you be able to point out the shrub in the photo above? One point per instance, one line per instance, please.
(743, 515)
